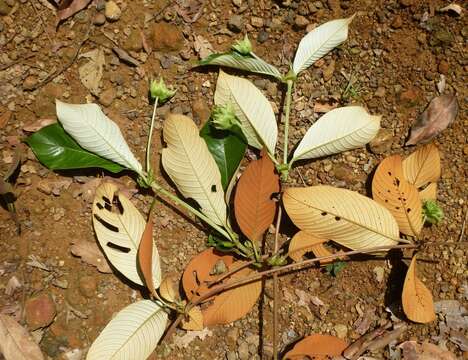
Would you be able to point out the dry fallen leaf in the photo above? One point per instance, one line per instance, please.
(440, 113)
(414, 351)
(91, 72)
(202, 47)
(38, 125)
(422, 166)
(190, 10)
(145, 256)
(253, 204)
(301, 243)
(457, 9)
(168, 287)
(416, 298)
(390, 189)
(70, 8)
(4, 118)
(429, 192)
(317, 347)
(195, 320)
(15, 342)
(90, 254)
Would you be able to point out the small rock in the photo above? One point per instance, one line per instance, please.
(272, 89)
(443, 67)
(99, 19)
(112, 11)
(397, 22)
(329, 70)
(44, 187)
(243, 351)
(238, 3)
(30, 82)
(341, 330)
(256, 21)
(409, 97)
(88, 286)
(167, 37)
(382, 141)
(344, 173)
(380, 92)
(40, 311)
(232, 335)
(107, 96)
(406, 2)
(379, 273)
(236, 23)
(201, 111)
(301, 22)
(134, 41)
(231, 355)
(442, 37)
(262, 36)
(4, 8)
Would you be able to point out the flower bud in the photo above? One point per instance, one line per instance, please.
(160, 91)
(224, 118)
(243, 47)
(432, 213)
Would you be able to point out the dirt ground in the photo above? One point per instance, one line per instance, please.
(396, 54)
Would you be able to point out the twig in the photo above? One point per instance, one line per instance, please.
(354, 350)
(462, 233)
(42, 21)
(275, 287)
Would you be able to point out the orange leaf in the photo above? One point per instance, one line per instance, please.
(390, 189)
(301, 243)
(416, 297)
(145, 256)
(253, 205)
(317, 347)
(429, 192)
(422, 166)
(195, 321)
(226, 306)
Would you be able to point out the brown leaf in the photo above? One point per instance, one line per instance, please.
(390, 189)
(190, 10)
(38, 125)
(4, 118)
(90, 253)
(125, 57)
(168, 287)
(253, 204)
(145, 43)
(414, 351)
(416, 298)
(145, 256)
(429, 192)
(440, 113)
(224, 307)
(91, 73)
(15, 342)
(422, 166)
(195, 320)
(301, 243)
(71, 9)
(317, 347)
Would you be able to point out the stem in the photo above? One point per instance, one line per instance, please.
(150, 136)
(275, 287)
(286, 121)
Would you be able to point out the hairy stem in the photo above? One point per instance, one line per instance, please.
(286, 121)
(150, 137)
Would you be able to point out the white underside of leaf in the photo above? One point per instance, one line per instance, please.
(130, 225)
(252, 108)
(192, 168)
(95, 132)
(337, 131)
(132, 334)
(341, 215)
(245, 63)
(319, 42)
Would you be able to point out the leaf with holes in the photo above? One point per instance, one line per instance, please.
(225, 307)
(253, 204)
(317, 347)
(145, 256)
(95, 132)
(338, 130)
(132, 334)
(341, 215)
(390, 188)
(189, 164)
(319, 42)
(422, 166)
(302, 243)
(416, 298)
(119, 227)
(251, 107)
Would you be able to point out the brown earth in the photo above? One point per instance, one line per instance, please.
(396, 52)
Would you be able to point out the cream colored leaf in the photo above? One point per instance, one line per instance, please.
(15, 341)
(422, 166)
(95, 132)
(195, 320)
(341, 215)
(319, 42)
(416, 298)
(301, 243)
(119, 228)
(390, 189)
(429, 192)
(338, 130)
(132, 334)
(252, 108)
(190, 165)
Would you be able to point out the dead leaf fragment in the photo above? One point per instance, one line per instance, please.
(125, 57)
(195, 320)
(429, 192)
(414, 351)
(253, 204)
(4, 118)
(90, 254)
(38, 125)
(455, 8)
(301, 243)
(390, 189)
(202, 47)
(167, 289)
(422, 166)
(70, 8)
(416, 298)
(15, 342)
(91, 72)
(190, 10)
(440, 113)
(317, 347)
(145, 256)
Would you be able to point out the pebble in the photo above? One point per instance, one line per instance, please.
(409, 97)
(301, 22)
(262, 36)
(4, 8)
(237, 3)
(243, 351)
(99, 19)
(397, 22)
(379, 273)
(88, 286)
(382, 141)
(341, 330)
(112, 11)
(236, 23)
(134, 41)
(443, 67)
(40, 311)
(344, 173)
(256, 21)
(30, 82)
(167, 37)
(380, 92)
(200, 110)
(406, 2)
(107, 96)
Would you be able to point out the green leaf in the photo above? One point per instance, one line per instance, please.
(58, 151)
(242, 62)
(227, 148)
